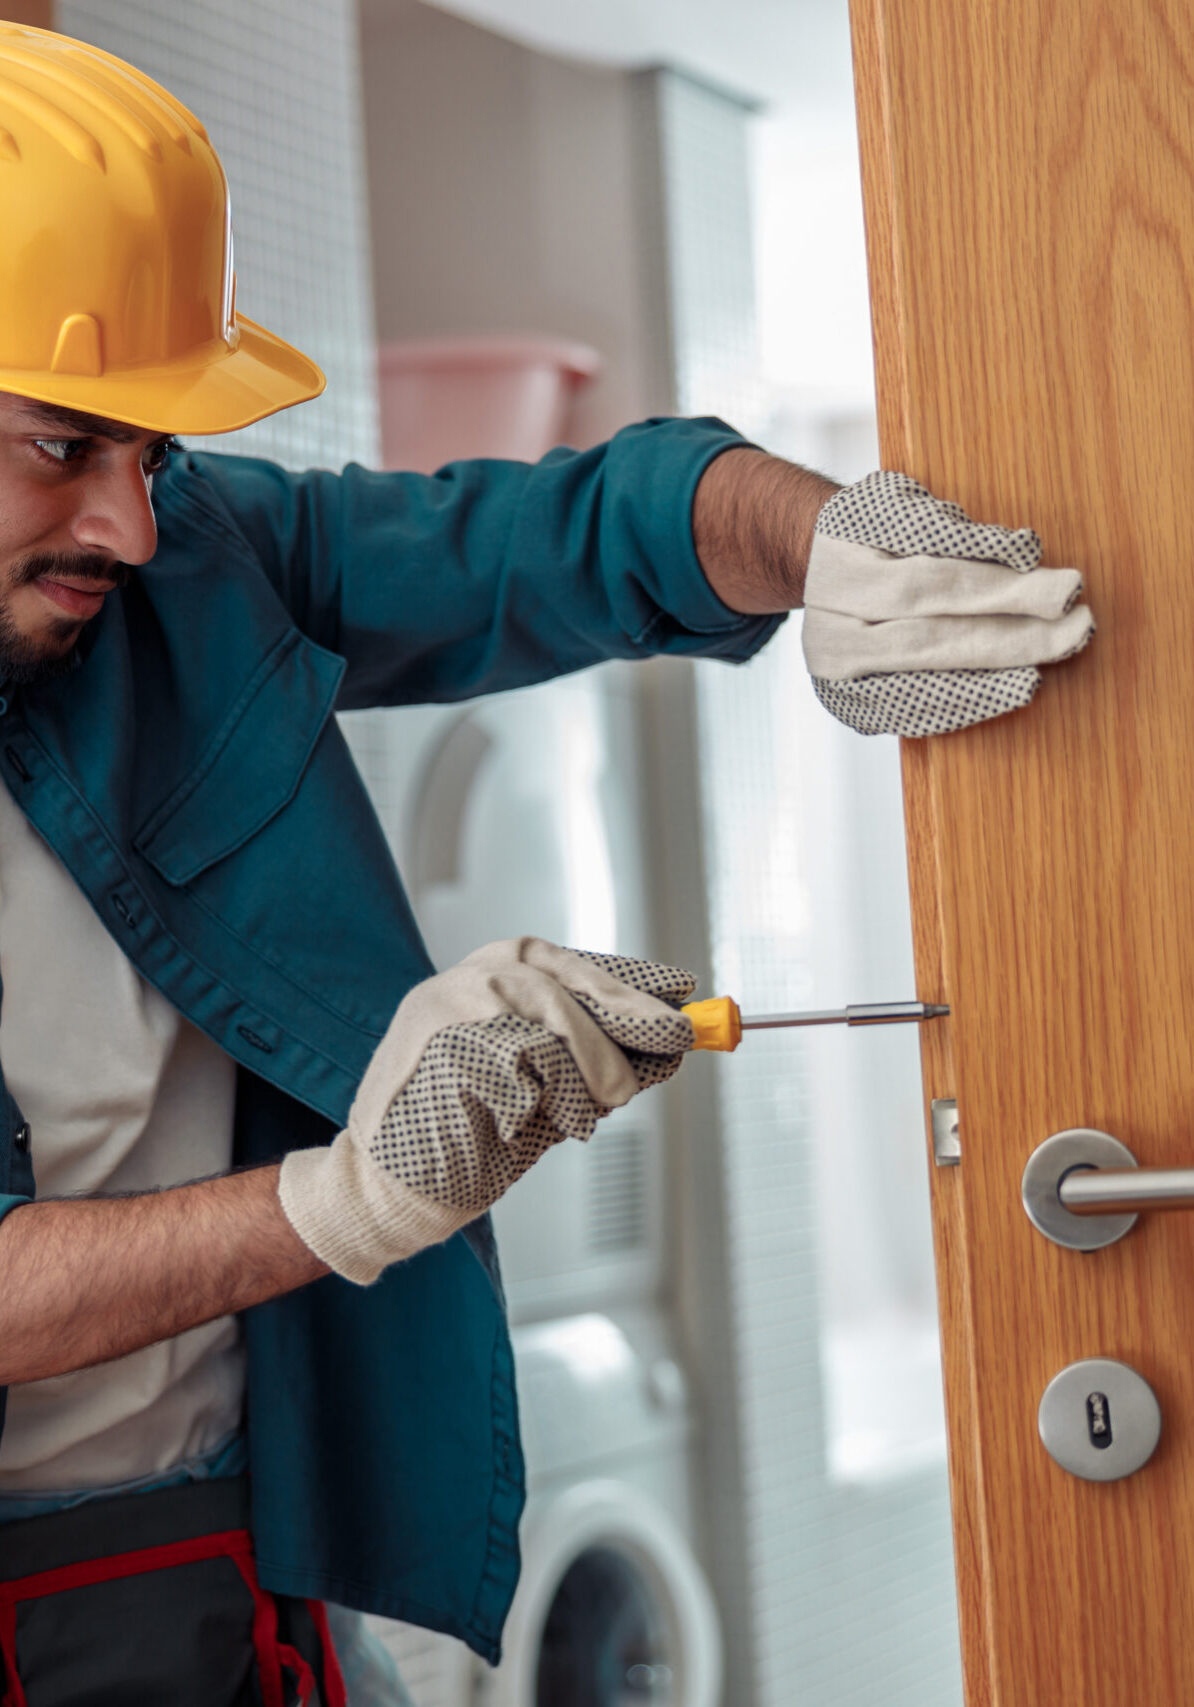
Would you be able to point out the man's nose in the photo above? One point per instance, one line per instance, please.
(115, 515)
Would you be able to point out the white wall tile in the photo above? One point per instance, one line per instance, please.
(276, 82)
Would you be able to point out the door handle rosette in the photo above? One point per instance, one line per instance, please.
(1084, 1189)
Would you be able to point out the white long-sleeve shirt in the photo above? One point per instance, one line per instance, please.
(121, 1093)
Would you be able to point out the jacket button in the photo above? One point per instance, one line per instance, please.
(21, 1137)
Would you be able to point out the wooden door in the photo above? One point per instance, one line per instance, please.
(1029, 188)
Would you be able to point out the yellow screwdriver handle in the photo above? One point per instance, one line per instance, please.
(716, 1021)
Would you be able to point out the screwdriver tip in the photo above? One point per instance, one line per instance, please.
(935, 1011)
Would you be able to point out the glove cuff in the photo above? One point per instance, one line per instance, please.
(354, 1217)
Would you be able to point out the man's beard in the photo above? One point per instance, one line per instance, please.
(22, 660)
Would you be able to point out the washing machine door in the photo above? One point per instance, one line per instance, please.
(612, 1609)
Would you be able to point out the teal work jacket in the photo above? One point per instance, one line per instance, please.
(192, 778)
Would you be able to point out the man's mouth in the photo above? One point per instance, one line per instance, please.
(81, 598)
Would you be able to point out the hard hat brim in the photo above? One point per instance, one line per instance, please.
(229, 389)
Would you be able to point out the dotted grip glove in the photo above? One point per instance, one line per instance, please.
(919, 621)
(483, 1068)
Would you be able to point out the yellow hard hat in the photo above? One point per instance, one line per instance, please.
(117, 293)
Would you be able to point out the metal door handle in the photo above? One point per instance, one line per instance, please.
(1112, 1191)
(1083, 1189)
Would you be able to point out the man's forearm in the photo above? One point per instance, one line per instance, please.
(83, 1280)
(752, 523)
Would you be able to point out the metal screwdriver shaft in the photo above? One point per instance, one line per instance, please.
(718, 1024)
(865, 1013)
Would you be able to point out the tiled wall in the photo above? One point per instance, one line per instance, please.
(276, 83)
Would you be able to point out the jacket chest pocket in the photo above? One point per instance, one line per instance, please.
(252, 766)
(273, 840)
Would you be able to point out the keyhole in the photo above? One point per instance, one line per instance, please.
(1098, 1419)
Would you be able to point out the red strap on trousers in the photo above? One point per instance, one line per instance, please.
(235, 1544)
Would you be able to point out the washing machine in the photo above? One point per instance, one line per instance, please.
(613, 1609)
(524, 813)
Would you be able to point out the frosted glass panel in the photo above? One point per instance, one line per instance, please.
(845, 1499)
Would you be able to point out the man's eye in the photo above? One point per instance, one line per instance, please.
(157, 456)
(61, 450)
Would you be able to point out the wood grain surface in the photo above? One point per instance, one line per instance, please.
(1029, 188)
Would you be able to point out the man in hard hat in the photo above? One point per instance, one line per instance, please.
(288, 1383)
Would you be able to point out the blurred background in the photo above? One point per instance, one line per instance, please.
(501, 225)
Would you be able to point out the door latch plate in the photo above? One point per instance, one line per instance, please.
(947, 1143)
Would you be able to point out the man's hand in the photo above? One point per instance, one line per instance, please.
(483, 1068)
(918, 621)
(83, 1280)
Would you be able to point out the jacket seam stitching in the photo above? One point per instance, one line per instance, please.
(489, 1574)
(187, 895)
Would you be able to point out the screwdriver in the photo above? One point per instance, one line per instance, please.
(719, 1024)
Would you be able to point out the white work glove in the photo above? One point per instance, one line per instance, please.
(919, 621)
(483, 1068)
